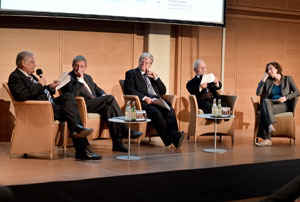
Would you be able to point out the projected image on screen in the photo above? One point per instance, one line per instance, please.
(194, 11)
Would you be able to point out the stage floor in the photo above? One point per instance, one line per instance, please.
(37, 168)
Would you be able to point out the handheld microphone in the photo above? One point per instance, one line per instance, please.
(39, 72)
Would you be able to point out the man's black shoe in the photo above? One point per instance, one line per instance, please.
(178, 138)
(80, 131)
(87, 154)
(120, 147)
(133, 134)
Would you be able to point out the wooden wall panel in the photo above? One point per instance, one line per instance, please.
(107, 56)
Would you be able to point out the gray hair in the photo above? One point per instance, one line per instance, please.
(146, 55)
(197, 62)
(22, 56)
(79, 58)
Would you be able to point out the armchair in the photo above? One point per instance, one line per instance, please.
(32, 133)
(285, 122)
(199, 126)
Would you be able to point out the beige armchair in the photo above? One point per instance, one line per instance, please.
(91, 120)
(35, 129)
(285, 122)
(146, 128)
(199, 126)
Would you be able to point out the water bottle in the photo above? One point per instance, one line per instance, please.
(128, 111)
(219, 110)
(214, 107)
(133, 111)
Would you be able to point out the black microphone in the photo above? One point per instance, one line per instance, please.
(39, 72)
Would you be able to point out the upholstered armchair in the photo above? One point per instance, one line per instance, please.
(35, 129)
(146, 128)
(285, 122)
(200, 126)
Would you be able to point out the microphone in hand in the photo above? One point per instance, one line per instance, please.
(39, 72)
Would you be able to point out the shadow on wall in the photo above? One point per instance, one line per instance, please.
(6, 121)
(239, 121)
(184, 114)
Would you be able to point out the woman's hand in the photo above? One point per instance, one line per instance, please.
(282, 99)
(266, 75)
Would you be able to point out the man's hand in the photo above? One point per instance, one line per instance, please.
(78, 73)
(203, 85)
(148, 100)
(151, 74)
(54, 84)
(42, 81)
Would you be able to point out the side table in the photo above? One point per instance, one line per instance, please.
(209, 116)
(121, 119)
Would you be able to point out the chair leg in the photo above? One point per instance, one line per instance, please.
(51, 155)
(220, 138)
(65, 150)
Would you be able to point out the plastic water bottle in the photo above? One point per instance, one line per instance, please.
(133, 111)
(219, 110)
(214, 107)
(128, 111)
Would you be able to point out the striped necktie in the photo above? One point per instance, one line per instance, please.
(150, 89)
(49, 97)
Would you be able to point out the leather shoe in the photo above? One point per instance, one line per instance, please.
(133, 134)
(178, 138)
(87, 154)
(120, 147)
(80, 131)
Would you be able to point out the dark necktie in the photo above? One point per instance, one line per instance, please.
(49, 97)
(150, 89)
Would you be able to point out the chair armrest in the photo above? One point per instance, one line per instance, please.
(171, 99)
(37, 113)
(82, 109)
(133, 98)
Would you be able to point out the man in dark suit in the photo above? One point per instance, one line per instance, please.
(147, 86)
(205, 92)
(25, 86)
(97, 101)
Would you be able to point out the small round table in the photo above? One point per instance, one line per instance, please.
(209, 116)
(121, 119)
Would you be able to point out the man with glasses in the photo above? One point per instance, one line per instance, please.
(148, 87)
(97, 101)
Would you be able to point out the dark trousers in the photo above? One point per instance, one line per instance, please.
(288, 192)
(267, 111)
(66, 109)
(108, 107)
(163, 120)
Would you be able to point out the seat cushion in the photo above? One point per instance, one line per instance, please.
(285, 114)
(93, 116)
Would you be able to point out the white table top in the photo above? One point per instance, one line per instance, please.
(209, 116)
(121, 119)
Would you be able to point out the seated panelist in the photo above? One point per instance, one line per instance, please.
(97, 101)
(205, 92)
(147, 86)
(278, 91)
(25, 86)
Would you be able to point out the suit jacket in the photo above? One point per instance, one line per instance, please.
(22, 88)
(288, 87)
(136, 85)
(78, 88)
(193, 88)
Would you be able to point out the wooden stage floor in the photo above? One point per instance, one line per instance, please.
(38, 168)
